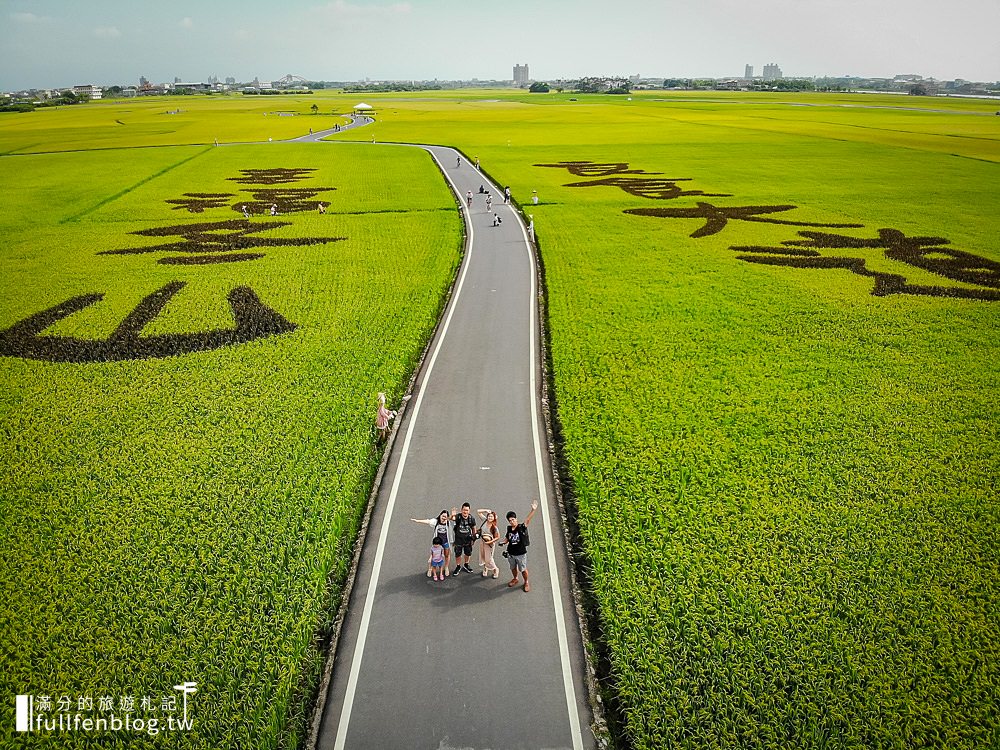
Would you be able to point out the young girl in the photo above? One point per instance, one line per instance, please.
(440, 525)
(435, 563)
(490, 534)
(382, 418)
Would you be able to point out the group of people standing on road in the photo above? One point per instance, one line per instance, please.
(458, 531)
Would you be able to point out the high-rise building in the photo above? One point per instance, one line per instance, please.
(772, 72)
(521, 75)
(748, 72)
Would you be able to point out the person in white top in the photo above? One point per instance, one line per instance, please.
(441, 528)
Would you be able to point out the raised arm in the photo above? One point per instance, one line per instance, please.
(534, 507)
(428, 521)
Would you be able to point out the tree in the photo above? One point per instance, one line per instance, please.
(314, 108)
(539, 88)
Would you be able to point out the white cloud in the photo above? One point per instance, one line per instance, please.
(29, 18)
(107, 32)
(187, 23)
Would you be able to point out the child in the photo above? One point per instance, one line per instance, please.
(489, 535)
(497, 221)
(440, 525)
(382, 418)
(435, 563)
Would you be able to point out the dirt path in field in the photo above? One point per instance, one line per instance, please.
(467, 662)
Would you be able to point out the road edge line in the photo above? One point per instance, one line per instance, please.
(352, 680)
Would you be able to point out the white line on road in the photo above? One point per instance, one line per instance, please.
(359, 648)
(567, 671)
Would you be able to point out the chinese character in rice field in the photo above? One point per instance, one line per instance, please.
(216, 241)
(288, 200)
(717, 217)
(254, 320)
(927, 253)
(663, 189)
(196, 203)
(276, 176)
(592, 169)
(192, 244)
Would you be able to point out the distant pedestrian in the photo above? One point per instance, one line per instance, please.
(477, 162)
(489, 535)
(458, 162)
(534, 197)
(506, 195)
(482, 189)
(310, 131)
(440, 526)
(322, 207)
(468, 198)
(516, 540)
(435, 563)
(465, 537)
(216, 141)
(274, 209)
(531, 230)
(246, 214)
(497, 221)
(489, 201)
(382, 418)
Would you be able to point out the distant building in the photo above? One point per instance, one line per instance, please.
(521, 75)
(772, 72)
(89, 90)
(748, 72)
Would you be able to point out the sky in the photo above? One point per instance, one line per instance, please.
(50, 43)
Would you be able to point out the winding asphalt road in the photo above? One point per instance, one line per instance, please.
(468, 662)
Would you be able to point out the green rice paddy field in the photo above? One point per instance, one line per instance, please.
(783, 485)
(190, 518)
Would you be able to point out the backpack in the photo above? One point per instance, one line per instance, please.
(524, 535)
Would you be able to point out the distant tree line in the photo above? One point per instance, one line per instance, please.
(67, 97)
(391, 87)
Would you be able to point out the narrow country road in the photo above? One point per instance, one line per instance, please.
(467, 662)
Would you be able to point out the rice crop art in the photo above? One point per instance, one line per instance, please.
(928, 253)
(186, 419)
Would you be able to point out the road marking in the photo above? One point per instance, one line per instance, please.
(567, 672)
(359, 648)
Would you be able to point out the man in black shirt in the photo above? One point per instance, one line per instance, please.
(517, 546)
(465, 536)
